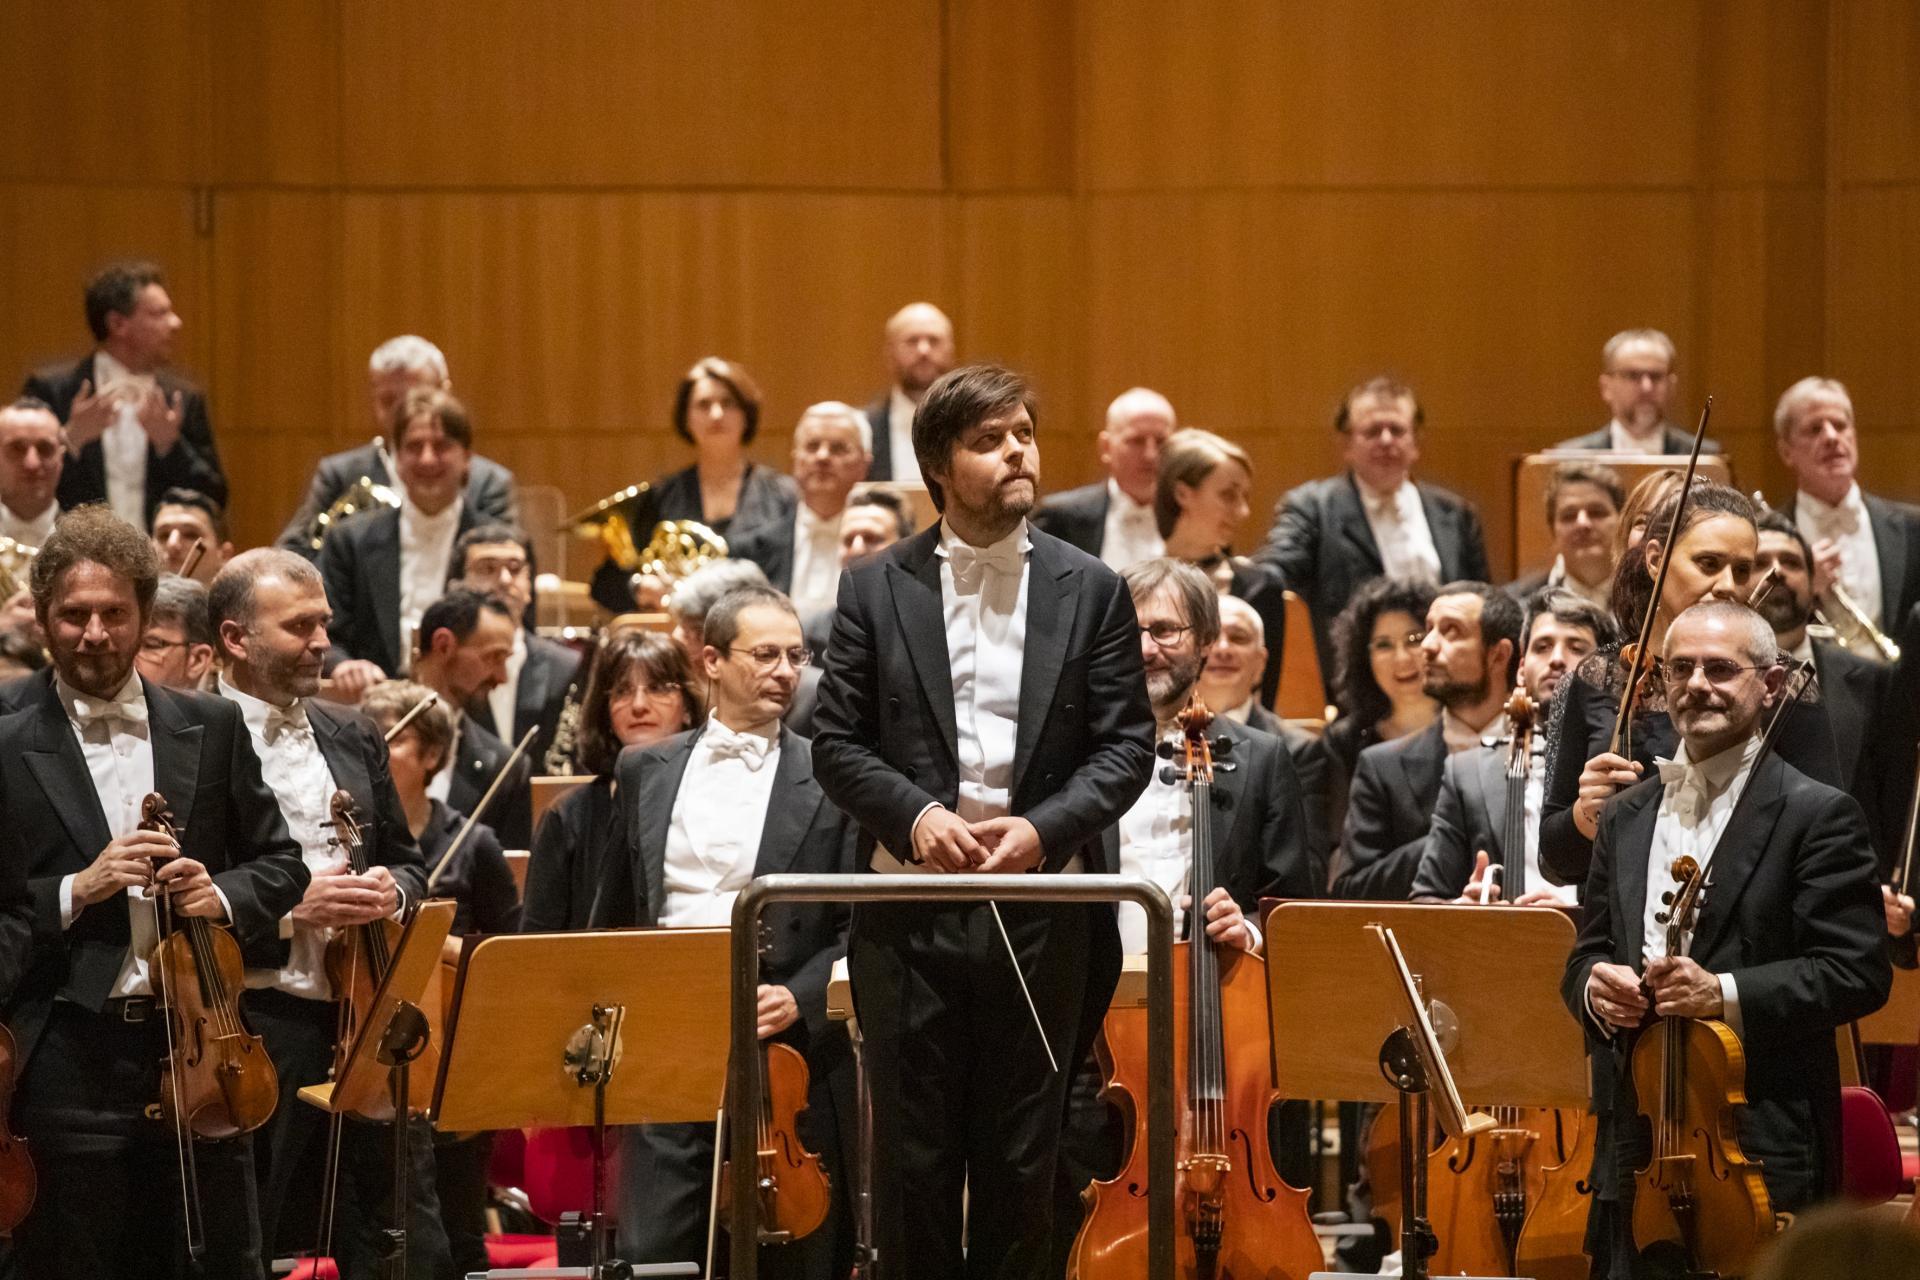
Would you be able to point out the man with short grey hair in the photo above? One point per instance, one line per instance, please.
(396, 367)
(1637, 382)
(919, 348)
(832, 451)
(176, 649)
(1113, 518)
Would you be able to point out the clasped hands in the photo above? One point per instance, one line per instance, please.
(1676, 985)
(336, 897)
(944, 841)
(129, 861)
(93, 412)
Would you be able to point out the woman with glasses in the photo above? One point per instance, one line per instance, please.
(1714, 550)
(1379, 675)
(716, 409)
(639, 691)
(1200, 500)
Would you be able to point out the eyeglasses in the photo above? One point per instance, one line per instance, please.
(1164, 633)
(767, 656)
(1721, 671)
(154, 644)
(1639, 375)
(650, 692)
(1394, 644)
(494, 568)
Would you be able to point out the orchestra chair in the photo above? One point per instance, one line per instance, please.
(556, 1178)
(1301, 695)
(661, 622)
(1872, 1167)
(517, 863)
(547, 791)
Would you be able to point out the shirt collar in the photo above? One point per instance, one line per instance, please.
(1819, 510)
(131, 691)
(1619, 430)
(107, 369)
(1721, 769)
(1384, 500)
(1017, 541)
(1120, 501)
(810, 524)
(1460, 736)
(767, 731)
(420, 520)
(1241, 713)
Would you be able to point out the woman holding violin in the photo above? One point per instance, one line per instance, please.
(1595, 749)
(1700, 1002)
(122, 1193)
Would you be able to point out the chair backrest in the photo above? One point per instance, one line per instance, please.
(558, 1171)
(1869, 1149)
(1301, 695)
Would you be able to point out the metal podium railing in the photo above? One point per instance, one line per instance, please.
(743, 1081)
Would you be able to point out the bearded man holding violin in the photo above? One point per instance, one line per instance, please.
(87, 744)
(1788, 942)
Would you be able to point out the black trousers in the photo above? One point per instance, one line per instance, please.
(290, 1156)
(460, 1164)
(963, 1095)
(110, 1203)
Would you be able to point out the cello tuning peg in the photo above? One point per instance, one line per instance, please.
(1164, 749)
(1170, 775)
(1222, 745)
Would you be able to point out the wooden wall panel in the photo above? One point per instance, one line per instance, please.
(601, 92)
(1877, 91)
(1010, 95)
(275, 97)
(102, 92)
(1389, 92)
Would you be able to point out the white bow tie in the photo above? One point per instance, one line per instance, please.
(282, 719)
(724, 744)
(1001, 557)
(106, 710)
(1686, 788)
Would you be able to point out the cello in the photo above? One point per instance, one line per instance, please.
(1235, 1216)
(217, 1080)
(1700, 1206)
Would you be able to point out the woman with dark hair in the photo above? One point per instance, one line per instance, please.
(639, 691)
(1199, 503)
(1714, 549)
(1379, 677)
(716, 409)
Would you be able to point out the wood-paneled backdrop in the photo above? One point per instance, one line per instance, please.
(1247, 205)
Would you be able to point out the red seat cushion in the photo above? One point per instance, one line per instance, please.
(1871, 1164)
(314, 1269)
(559, 1171)
(519, 1251)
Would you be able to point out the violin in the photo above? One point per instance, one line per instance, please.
(358, 958)
(1236, 1215)
(18, 1184)
(217, 1081)
(1700, 1206)
(793, 1188)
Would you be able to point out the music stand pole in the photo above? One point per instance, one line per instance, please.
(404, 1040)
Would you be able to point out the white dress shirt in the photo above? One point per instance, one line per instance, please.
(1461, 736)
(440, 785)
(501, 701)
(123, 445)
(816, 560)
(1536, 794)
(1625, 441)
(116, 741)
(1599, 595)
(1683, 827)
(31, 532)
(1848, 526)
(426, 549)
(298, 776)
(713, 838)
(983, 594)
(1131, 533)
(900, 411)
(1400, 530)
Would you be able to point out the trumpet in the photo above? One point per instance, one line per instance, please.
(1853, 629)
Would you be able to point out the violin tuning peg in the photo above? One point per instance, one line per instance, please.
(1164, 750)
(1222, 745)
(1170, 776)
(1659, 917)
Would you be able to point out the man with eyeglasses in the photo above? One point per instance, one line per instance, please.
(1470, 654)
(176, 649)
(1332, 536)
(984, 710)
(497, 559)
(707, 811)
(1637, 382)
(465, 638)
(832, 450)
(1261, 848)
(1789, 942)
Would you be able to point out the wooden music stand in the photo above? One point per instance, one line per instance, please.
(540, 1025)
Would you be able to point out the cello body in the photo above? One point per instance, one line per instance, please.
(1699, 1205)
(1265, 1227)
(1554, 1241)
(18, 1184)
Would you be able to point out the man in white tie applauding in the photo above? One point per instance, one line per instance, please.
(269, 613)
(90, 742)
(707, 811)
(1788, 944)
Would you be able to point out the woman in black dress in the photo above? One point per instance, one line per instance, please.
(639, 691)
(1379, 677)
(716, 409)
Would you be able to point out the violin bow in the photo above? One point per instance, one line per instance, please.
(526, 740)
(407, 719)
(198, 549)
(1637, 669)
